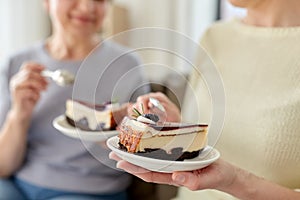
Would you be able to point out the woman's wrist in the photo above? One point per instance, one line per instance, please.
(243, 185)
(18, 119)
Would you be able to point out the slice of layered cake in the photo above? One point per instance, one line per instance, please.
(91, 117)
(167, 141)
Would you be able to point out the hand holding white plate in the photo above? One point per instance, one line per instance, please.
(205, 158)
(61, 124)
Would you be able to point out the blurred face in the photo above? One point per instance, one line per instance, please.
(79, 17)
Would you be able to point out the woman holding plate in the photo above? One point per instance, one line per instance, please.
(258, 59)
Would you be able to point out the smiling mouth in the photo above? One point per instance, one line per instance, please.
(83, 19)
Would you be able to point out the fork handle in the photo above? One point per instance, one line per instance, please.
(47, 73)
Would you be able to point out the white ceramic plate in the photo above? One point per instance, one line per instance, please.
(205, 158)
(61, 124)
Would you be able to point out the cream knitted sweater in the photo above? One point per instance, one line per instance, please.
(260, 68)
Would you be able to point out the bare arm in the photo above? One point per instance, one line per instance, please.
(220, 175)
(248, 186)
(13, 144)
(25, 87)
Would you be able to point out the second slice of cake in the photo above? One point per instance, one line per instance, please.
(89, 117)
(167, 141)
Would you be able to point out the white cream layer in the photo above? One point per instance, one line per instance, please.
(188, 142)
(149, 131)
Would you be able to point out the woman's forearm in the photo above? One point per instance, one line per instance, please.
(13, 142)
(248, 187)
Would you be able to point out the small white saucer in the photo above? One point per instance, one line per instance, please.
(205, 158)
(61, 124)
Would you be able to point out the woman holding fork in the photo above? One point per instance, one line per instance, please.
(36, 161)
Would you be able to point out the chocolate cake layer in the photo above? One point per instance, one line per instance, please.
(176, 154)
(84, 125)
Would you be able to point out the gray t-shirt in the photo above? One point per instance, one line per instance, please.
(54, 160)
